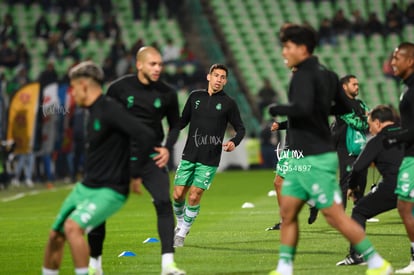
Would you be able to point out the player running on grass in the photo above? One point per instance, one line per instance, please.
(312, 91)
(105, 188)
(207, 112)
(147, 97)
(282, 168)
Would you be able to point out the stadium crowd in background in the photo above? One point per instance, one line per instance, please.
(64, 42)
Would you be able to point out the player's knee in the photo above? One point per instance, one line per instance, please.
(194, 198)
(163, 207)
(180, 192)
(72, 228)
(56, 237)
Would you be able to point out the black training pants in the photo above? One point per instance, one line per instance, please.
(379, 200)
(345, 164)
(157, 183)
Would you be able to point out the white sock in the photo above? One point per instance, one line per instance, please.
(185, 227)
(47, 271)
(284, 268)
(95, 262)
(412, 245)
(167, 259)
(180, 221)
(375, 261)
(81, 271)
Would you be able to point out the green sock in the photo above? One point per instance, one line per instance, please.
(365, 249)
(287, 253)
(178, 208)
(190, 213)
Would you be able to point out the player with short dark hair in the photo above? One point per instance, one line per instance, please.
(312, 90)
(356, 119)
(402, 63)
(147, 97)
(381, 198)
(207, 112)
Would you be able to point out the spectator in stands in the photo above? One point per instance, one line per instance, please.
(92, 26)
(111, 27)
(186, 54)
(409, 13)
(118, 49)
(373, 25)
(109, 70)
(7, 55)
(153, 7)
(105, 5)
(49, 75)
(136, 9)
(54, 47)
(42, 27)
(23, 56)
(173, 7)
(170, 52)
(45, 4)
(340, 23)
(394, 19)
(138, 44)
(357, 22)
(267, 95)
(85, 6)
(25, 163)
(124, 64)
(326, 33)
(63, 25)
(21, 78)
(8, 30)
(71, 45)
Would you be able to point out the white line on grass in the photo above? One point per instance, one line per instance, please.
(33, 193)
(13, 198)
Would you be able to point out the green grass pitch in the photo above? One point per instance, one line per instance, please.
(225, 239)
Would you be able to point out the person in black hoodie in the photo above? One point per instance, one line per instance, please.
(381, 198)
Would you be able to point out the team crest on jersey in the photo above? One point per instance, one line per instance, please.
(130, 101)
(157, 103)
(197, 102)
(218, 106)
(96, 125)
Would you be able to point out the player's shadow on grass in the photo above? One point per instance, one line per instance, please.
(224, 247)
(333, 232)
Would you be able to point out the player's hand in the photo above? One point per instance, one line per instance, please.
(350, 194)
(229, 146)
(136, 186)
(274, 127)
(161, 159)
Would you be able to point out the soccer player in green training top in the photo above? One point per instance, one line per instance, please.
(314, 163)
(105, 188)
(207, 112)
(149, 98)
